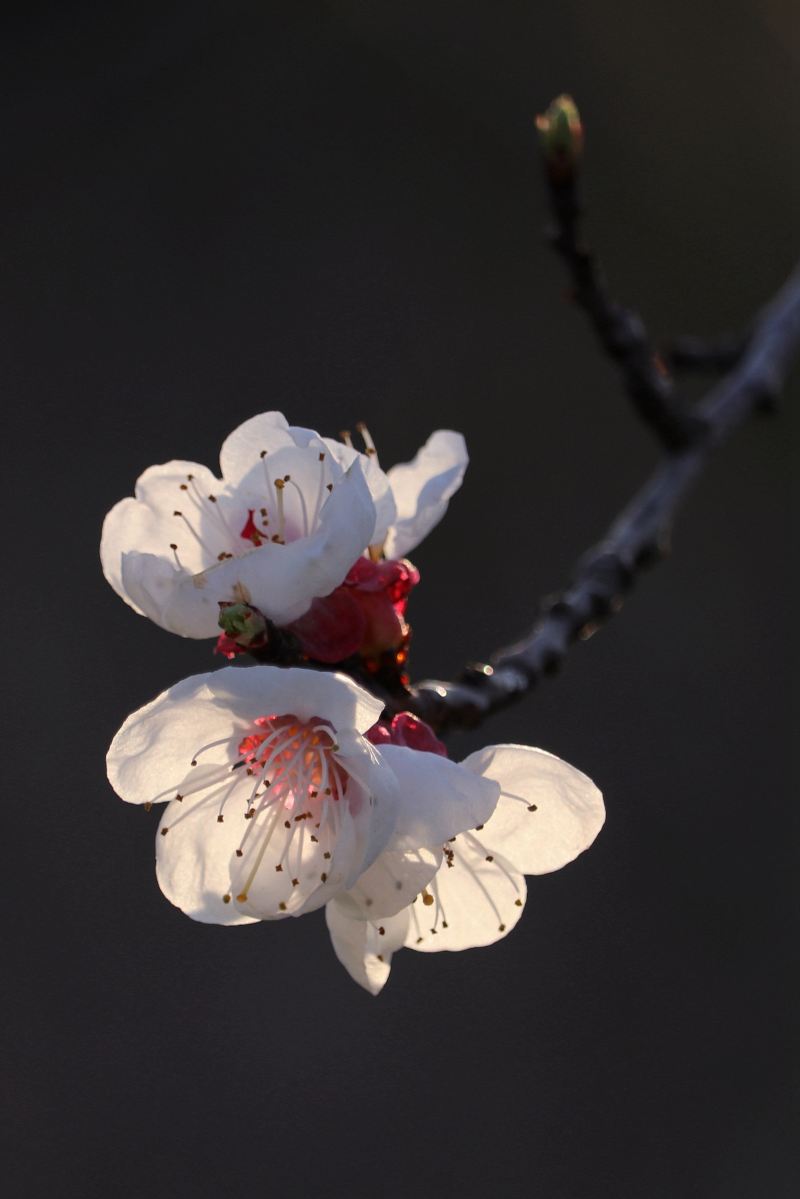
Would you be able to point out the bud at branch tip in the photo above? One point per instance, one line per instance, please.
(561, 138)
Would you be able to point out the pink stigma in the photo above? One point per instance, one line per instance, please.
(250, 532)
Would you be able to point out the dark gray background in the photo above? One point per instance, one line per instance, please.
(209, 210)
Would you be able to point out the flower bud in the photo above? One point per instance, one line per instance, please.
(409, 731)
(561, 136)
(242, 624)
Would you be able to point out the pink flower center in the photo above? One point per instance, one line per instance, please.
(295, 759)
(251, 532)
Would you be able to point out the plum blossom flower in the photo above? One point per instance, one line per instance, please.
(547, 814)
(284, 524)
(276, 800)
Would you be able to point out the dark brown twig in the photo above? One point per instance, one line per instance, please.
(712, 355)
(637, 538)
(621, 331)
(757, 366)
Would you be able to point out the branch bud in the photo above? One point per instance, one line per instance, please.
(561, 138)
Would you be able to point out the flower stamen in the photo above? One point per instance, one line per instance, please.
(279, 537)
(262, 849)
(320, 492)
(204, 748)
(303, 507)
(476, 844)
(201, 500)
(369, 444)
(193, 532)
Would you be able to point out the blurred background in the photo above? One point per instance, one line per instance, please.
(336, 209)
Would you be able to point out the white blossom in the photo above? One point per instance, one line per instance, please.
(276, 801)
(283, 525)
(547, 814)
(423, 488)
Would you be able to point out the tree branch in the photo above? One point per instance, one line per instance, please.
(757, 364)
(636, 539)
(621, 332)
(713, 355)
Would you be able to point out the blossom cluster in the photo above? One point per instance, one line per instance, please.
(288, 788)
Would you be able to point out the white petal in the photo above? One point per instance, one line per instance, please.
(438, 798)
(161, 487)
(147, 523)
(392, 882)
(476, 901)
(364, 763)
(193, 859)
(261, 690)
(176, 601)
(365, 949)
(120, 524)
(242, 449)
(567, 814)
(378, 483)
(151, 755)
(422, 489)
